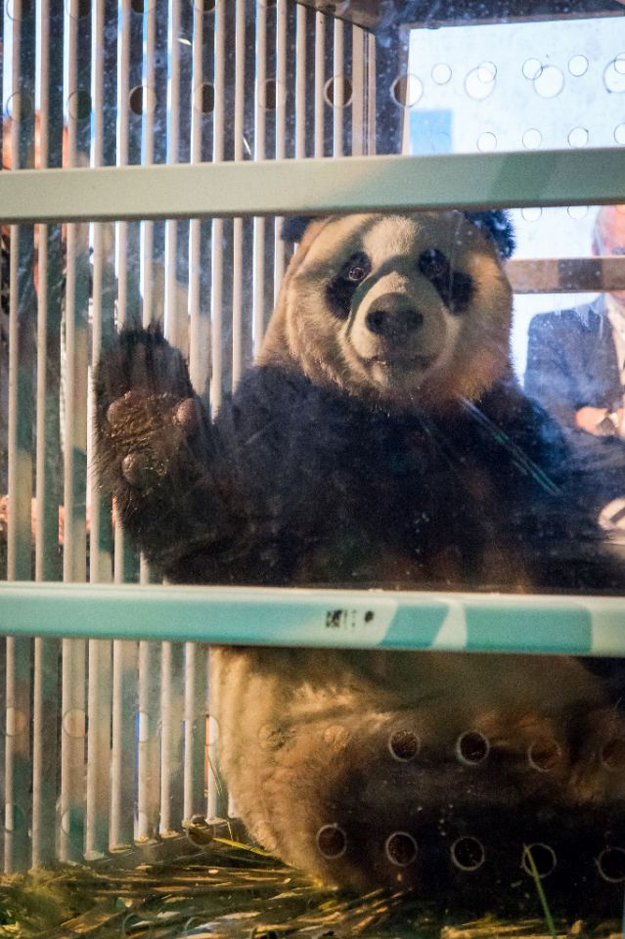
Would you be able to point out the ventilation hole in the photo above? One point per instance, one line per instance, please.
(543, 754)
(577, 211)
(407, 90)
(400, 848)
(20, 105)
(619, 63)
(613, 755)
(578, 137)
(532, 139)
(404, 745)
(199, 833)
(549, 83)
(578, 65)
(619, 133)
(480, 82)
(468, 853)
(74, 723)
(614, 75)
(441, 73)
(205, 98)
(486, 142)
(142, 100)
(16, 721)
(79, 105)
(332, 88)
(331, 841)
(532, 69)
(611, 865)
(532, 214)
(14, 817)
(336, 735)
(542, 855)
(472, 748)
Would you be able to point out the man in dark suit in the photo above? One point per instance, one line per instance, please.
(576, 370)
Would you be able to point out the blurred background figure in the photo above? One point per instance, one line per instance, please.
(576, 370)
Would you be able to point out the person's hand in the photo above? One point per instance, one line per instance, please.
(589, 418)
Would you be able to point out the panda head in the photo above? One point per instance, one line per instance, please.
(409, 311)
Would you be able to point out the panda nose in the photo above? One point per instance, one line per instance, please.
(392, 317)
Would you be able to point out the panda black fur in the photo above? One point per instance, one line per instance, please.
(380, 440)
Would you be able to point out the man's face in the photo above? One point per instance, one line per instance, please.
(611, 237)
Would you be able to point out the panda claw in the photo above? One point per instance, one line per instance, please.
(187, 415)
(136, 469)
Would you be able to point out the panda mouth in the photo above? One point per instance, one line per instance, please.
(402, 360)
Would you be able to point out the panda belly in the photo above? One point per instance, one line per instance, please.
(393, 769)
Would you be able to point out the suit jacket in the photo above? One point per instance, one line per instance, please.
(572, 363)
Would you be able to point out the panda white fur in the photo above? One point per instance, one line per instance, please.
(381, 440)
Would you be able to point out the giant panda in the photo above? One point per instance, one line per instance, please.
(381, 440)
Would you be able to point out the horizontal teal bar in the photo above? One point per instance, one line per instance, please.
(346, 184)
(299, 617)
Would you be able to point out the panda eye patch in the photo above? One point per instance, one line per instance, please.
(454, 287)
(341, 290)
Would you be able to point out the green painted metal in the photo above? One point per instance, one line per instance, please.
(348, 184)
(301, 617)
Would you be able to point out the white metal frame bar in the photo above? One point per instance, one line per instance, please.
(280, 187)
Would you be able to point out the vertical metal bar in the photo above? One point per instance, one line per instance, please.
(148, 756)
(198, 319)
(98, 749)
(47, 558)
(258, 276)
(22, 313)
(281, 55)
(71, 803)
(195, 708)
(338, 89)
(371, 96)
(358, 91)
(217, 803)
(320, 64)
(175, 329)
(121, 831)
(172, 698)
(300, 83)
(147, 155)
(217, 224)
(237, 233)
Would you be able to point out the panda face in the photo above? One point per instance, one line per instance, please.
(411, 310)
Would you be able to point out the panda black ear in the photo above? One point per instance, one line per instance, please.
(497, 225)
(293, 228)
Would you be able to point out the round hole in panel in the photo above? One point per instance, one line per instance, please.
(486, 142)
(477, 84)
(16, 722)
(578, 137)
(578, 65)
(532, 138)
(531, 69)
(331, 841)
(619, 133)
(472, 748)
(544, 753)
(441, 73)
(613, 755)
(79, 105)
(198, 831)
(611, 865)
(407, 90)
(25, 7)
(550, 82)
(333, 89)
(614, 75)
(543, 856)
(468, 853)
(577, 211)
(204, 98)
(20, 105)
(531, 214)
(400, 848)
(403, 745)
(14, 818)
(486, 72)
(74, 723)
